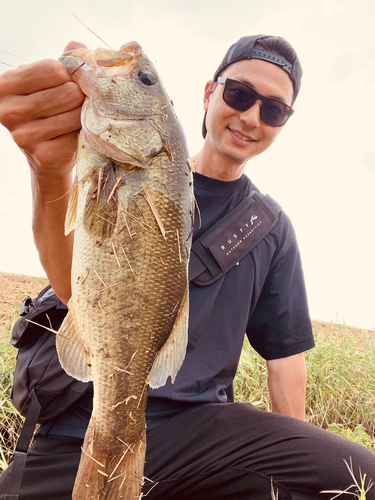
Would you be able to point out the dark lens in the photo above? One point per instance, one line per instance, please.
(238, 96)
(274, 113)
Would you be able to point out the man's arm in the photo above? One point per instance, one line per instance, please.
(287, 385)
(40, 106)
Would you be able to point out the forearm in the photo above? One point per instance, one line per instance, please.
(50, 200)
(287, 385)
(40, 106)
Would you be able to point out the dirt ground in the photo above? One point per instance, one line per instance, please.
(15, 287)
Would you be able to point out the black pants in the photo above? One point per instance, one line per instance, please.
(216, 451)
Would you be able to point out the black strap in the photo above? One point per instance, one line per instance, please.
(20, 451)
(232, 237)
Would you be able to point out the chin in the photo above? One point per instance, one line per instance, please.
(241, 157)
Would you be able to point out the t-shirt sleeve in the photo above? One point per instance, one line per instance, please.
(280, 324)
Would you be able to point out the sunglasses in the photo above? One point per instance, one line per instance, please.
(241, 97)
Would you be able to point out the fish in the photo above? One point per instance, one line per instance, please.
(131, 208)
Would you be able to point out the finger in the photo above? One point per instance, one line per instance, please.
(72, 45)
(28, 135)
(57, 155)
(30, 78)
(54, 101)
(17, 111)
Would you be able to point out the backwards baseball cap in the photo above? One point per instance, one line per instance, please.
(246, 48)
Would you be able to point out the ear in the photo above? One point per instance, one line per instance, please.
(208, 90)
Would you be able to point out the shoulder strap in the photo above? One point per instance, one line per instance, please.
(232, 237)
(20, 451)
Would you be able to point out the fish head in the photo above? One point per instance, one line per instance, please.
(126, 97)
(85, 65)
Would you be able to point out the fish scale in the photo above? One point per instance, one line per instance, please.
(131, 207)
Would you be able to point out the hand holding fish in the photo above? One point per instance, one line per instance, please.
(40, 105)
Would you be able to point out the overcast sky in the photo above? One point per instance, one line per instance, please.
(321, 168)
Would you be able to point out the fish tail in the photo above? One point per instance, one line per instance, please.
(102, 477)
(125, 479)
(91, 475)
(90, 478)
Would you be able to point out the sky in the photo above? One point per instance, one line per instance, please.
(321, 169)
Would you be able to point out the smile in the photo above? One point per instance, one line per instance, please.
(243, 137)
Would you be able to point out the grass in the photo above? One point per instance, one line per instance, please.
(357, 490)
(10, 420)
(340, 393)
(340, 387)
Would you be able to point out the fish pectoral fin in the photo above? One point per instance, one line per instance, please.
(70, 349)
(100, 212)
(171, 356)
(71, 213)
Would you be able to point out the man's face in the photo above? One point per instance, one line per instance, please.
(238, 136)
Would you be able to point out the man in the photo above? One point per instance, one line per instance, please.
(201, 445)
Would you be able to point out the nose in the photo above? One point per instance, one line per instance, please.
(252, 115)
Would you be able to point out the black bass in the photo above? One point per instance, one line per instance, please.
(131, 208)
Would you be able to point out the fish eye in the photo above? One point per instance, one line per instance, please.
(147, 78)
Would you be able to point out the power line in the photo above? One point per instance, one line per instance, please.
(15, 55)
(28, 50)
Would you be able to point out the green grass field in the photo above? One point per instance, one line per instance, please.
(340, 387)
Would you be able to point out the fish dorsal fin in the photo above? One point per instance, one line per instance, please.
(72, 355)
(172, 354)
(71, 213)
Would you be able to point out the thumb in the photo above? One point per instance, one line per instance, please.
(72, 45)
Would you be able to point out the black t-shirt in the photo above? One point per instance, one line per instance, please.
(263, 296)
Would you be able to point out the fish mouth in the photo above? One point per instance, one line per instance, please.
(105, 62)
